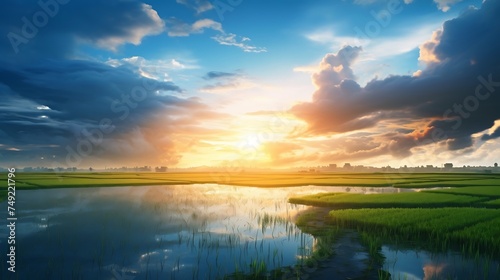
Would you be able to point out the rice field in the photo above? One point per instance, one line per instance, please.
(464, 216)
(476, 229)
(240, 178)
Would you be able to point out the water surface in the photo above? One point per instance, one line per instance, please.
(176, 232)
(201, 231)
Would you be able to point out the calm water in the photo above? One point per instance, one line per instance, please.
(154, 232)
(171, 232)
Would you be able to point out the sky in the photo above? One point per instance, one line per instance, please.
(240, 83)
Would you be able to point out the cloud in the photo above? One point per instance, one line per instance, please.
(153, 69)
(178, 28)
(103, 24)
(327, 35)
(282, 153)
(151, 24)
(427, 54)
(447, 103)
(226, 82)
(445, 5)
(377, 51)
(49, 109)
(231, 39)
(335, 68)
(200, 6)
(217, 75)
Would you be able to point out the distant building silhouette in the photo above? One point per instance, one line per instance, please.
(161, 169)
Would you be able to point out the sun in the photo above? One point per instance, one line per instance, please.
(250, 141)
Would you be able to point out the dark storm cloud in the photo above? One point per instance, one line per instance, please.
(56, 102)
(456, 96)
(53, 28)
